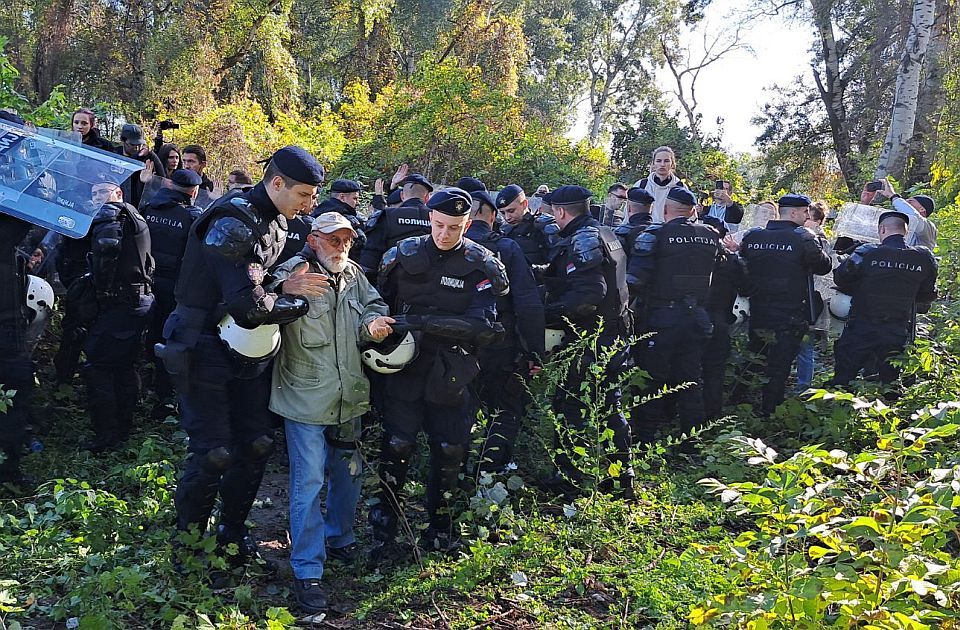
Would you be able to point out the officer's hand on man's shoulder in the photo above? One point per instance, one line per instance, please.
(299, 282)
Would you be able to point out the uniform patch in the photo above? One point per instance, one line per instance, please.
(484, 284)
(571, 267)
(256, 273)
(453, 283)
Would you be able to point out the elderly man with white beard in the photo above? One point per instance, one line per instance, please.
(320, 389)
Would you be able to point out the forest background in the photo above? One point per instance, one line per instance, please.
(492, 88)
(846, 515)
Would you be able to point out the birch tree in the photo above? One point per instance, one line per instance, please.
(893, 155)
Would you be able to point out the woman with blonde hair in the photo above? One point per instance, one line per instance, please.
(663, 177)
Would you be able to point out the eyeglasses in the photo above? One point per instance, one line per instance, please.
(621, 197)
(335, 241)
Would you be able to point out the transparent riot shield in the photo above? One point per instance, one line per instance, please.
(858, 222)
(46, 177)
(753, 216)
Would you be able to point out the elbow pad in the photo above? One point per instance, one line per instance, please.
(288, 308)
(108, 247)
(583, 310)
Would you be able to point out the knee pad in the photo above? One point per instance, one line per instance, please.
(217, 460)
(398, 447)
(262, 447)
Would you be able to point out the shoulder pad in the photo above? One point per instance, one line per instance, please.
(805, 232)
(506, 228)
(496, 272)
(862, 251)
(194, 211)
(372, 221)
(355, 221)
(543, 220)
(388, 262)
(230, 237)
(475, 252)
(587, 247)
(622, 230)
(107, 212)
(647, 241)
(551, 228)
(409, 246)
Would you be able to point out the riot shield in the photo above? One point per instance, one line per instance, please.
(858, 222)
(46, 179)
(753, 216)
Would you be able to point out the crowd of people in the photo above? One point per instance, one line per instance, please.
(259, 302)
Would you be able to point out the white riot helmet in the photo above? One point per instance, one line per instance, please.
(840, 306)
(250, 345)
(392, 354)
(39, 295)
(741, 309)
(553, 338)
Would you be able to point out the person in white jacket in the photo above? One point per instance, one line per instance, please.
(662, 178)
(922, 231)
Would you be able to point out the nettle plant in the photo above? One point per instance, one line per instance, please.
(846, 540)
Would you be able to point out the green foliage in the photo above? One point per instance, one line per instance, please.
(53, 111)
(239, 134)
(843, 539)
(447, 123)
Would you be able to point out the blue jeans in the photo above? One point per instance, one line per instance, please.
(805, 364)
(312, 460)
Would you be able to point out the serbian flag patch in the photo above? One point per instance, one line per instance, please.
(483, 285)
(571, 267)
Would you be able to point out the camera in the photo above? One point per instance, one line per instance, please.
(874, 186)
(166, 125)
(719, 184)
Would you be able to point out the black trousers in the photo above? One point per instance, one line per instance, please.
(777, 348)
(716, 354)
(865, 343)
(112, 346)
(503, 397)
(672, 357)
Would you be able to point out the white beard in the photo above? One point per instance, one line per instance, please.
(334, 264)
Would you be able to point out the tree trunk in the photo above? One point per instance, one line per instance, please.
(904, 116)
(831, 86)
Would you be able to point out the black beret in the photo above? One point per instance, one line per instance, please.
(297, 164)
(682, 196)
(794, 201)
(470, 184)
(186, 178)
(893, 213)
(640, 195)
(569, 194)
(452, 201)
(506, 196)
(394, 197)
(547, 198)
(417, 178)
(483, 197)
(11, 117)
(345, 186)
(927, 203)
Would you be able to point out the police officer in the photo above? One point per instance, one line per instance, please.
(388, 227)
(637, 219)
(16, 368)
(223, 399)
(169, 215)
(671, 268)
(730, 279)
(534, 233)
(888, 283)
(450, 284)
(344, 198)
(586, 284)
(504, 365)
(121, 270)
(780, 259)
